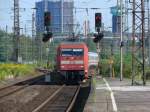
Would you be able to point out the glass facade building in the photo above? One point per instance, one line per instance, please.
(61, 15)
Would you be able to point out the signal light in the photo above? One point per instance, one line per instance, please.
(47, 36)
(98, 37)
(98, 20)
(47, 18)
(95, 40)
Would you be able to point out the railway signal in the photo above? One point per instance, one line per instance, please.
(47, 23)
(98, 20)
(47, 19)
(98, 37)
(47, 36)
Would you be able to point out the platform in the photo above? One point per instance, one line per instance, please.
(111, 95)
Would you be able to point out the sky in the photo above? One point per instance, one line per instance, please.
(6, 12)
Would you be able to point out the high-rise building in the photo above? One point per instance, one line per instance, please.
(116, 20)
(116, 24)
(61, 15)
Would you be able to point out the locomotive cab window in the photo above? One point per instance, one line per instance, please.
(66, 52)
(72, 52)
(78, 52)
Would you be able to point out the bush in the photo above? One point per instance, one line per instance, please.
(127, 66)
(147, 72)
(15, 70)
(105, 67)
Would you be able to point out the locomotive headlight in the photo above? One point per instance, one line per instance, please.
(86, 71)
(81, 66)
(62, 67)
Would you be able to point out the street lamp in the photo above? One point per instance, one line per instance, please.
(121, 41)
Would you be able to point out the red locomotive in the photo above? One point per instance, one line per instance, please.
(72, 60)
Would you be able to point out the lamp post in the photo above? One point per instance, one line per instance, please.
(121, 41)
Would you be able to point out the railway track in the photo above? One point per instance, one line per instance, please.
(34, 95)
(62, 100)
(11, 89)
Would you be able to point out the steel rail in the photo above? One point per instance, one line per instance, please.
(46, 101)
(26, 84)
(73, 99)
(21, 81)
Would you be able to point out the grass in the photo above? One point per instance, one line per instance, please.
(15, 70)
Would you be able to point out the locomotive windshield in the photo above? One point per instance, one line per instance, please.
(72, 52)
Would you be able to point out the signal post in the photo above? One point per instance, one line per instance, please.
(47, 34)
(99, 35)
